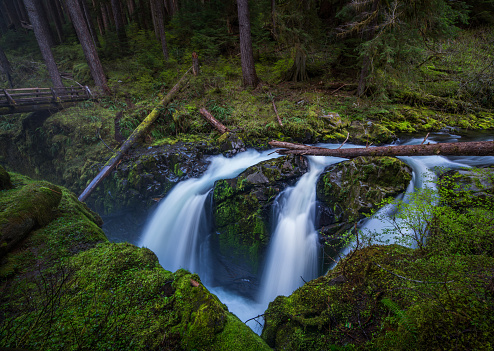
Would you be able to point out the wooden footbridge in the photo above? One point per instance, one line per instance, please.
(37, 99)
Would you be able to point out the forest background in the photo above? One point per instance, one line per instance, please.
(374, 53)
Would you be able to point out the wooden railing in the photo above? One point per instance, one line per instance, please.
(34, 99)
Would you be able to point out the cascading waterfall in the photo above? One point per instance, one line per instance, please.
(423, 177)
(293, 250)
(178, 227)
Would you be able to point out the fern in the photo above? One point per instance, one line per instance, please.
(401, 316)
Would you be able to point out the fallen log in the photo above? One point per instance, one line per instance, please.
(138, 132)
(474, 148)
(213, 121)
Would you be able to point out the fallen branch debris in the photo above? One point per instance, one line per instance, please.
(213, 121)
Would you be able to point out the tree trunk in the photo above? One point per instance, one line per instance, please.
(475, 148)
(366, 62)
(32, 7)
(56, 20)
(43, 16)
(15, 21)
(5, 67)
(298, 72)
(21, 11)
(195, 64)
(160, 26)
(136, 134)
(99, 19)
(61, 13)
(104, 16)
(246, 54)
(273, 19)
(4, 21)
(119, 24)
(213, 121)
(152, 7)
(89, 22)
(142, 14)
(87, 43)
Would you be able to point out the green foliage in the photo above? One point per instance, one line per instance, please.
(455, 218)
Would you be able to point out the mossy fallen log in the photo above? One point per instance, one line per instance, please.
(474, 148)
(138, 132)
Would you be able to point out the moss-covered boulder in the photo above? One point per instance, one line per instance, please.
(241, 210)
(351, 189)
(25, 209)
(5, 182)
(389, 298)
(65, 287)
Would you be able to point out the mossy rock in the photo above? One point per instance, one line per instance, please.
(242, 209)
(65, 287)
(25, 209)
(353, 188)
(388, 297)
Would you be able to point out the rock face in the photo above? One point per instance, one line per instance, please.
(65, 287)
(348, 190)
(241, 211)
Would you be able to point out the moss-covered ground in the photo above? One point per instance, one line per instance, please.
(65, 287)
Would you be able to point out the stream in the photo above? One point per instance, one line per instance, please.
(179, 228)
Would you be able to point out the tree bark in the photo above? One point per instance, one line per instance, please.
(136, 134)
(160, 26)
(88, 46)
(475, 148)
(32, 7)
(246, 54)
(213, 121)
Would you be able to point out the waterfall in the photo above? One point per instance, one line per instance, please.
(424, 176)
(293, 250)
(178, 228)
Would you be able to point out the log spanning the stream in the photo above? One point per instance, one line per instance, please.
(474, 148)
(138, 132)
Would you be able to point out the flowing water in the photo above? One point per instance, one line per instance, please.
(178, 230)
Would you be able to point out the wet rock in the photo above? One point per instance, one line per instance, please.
(241, 211)
(349, 190)
(230, 144)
